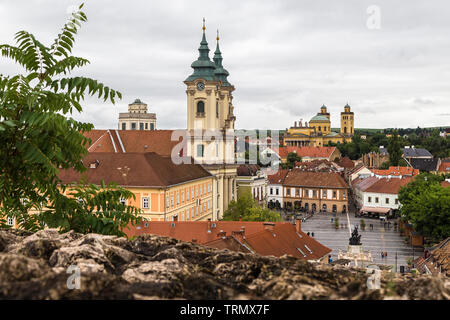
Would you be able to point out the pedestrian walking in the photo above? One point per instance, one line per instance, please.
(312, 234)
(385, 254)
(382, 255)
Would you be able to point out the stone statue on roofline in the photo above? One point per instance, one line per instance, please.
(355, 239)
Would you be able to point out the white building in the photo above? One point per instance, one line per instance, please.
(137, 117)
(378, 195)
(250, 179)
(275, 189)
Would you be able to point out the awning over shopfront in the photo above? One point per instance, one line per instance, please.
(375, 209)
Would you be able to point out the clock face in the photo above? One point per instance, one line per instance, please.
(200, 86)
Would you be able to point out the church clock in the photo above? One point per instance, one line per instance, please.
(200, 86)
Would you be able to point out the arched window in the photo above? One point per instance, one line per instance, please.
(217, 109)
(200, 107)
(320, 129)
(345, 129)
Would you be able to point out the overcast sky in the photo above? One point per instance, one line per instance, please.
(285, 58)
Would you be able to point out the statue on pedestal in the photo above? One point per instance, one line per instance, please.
(355, 239)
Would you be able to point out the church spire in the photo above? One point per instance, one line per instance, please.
(220, 73)
(203, 66)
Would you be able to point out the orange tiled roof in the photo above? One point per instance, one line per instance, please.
(257, 237)
(298, 177)
(307, 152)
(145, 169)
(397, 171)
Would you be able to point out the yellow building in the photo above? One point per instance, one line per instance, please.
(164, 191)
(318, 132)
(210, 112)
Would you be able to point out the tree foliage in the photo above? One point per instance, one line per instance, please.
(37, 139)
(91, 209)
(426, 204)
(247, 209)
(394, 150)
(291, 159)
(427, 138)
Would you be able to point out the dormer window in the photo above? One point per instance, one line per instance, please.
(94, 164)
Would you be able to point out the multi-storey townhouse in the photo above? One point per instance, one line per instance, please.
(315, 191)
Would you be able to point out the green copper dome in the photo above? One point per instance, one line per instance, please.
(203, 66)
(220, 73)
(319, 118)
(137, 101)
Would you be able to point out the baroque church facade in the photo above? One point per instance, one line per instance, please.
(210, 123)
(317, 132)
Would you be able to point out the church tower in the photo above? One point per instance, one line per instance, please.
(347, 122)
(210, 112)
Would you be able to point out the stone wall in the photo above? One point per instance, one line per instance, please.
(34, 266)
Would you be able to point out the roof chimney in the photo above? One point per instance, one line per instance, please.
(240, 235)
(94, 164)
(269, 226)
(222, 234)
(298, 225)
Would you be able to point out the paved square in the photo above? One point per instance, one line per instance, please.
(377, 240)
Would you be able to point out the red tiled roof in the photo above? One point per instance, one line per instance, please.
(285, 240)
(437, 260)
(247, 169)
(257, 237)
(132, 141)
(346, 162)
(316, 165)
(278, 177)
(364, 183)
(145, 169)
(445, 184)
(230, 243)
(390, 186)
(188, 230)
(444, 167)
(298, 177)
(307, 152)
(397, 171)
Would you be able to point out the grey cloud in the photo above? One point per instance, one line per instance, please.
(286, 58)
